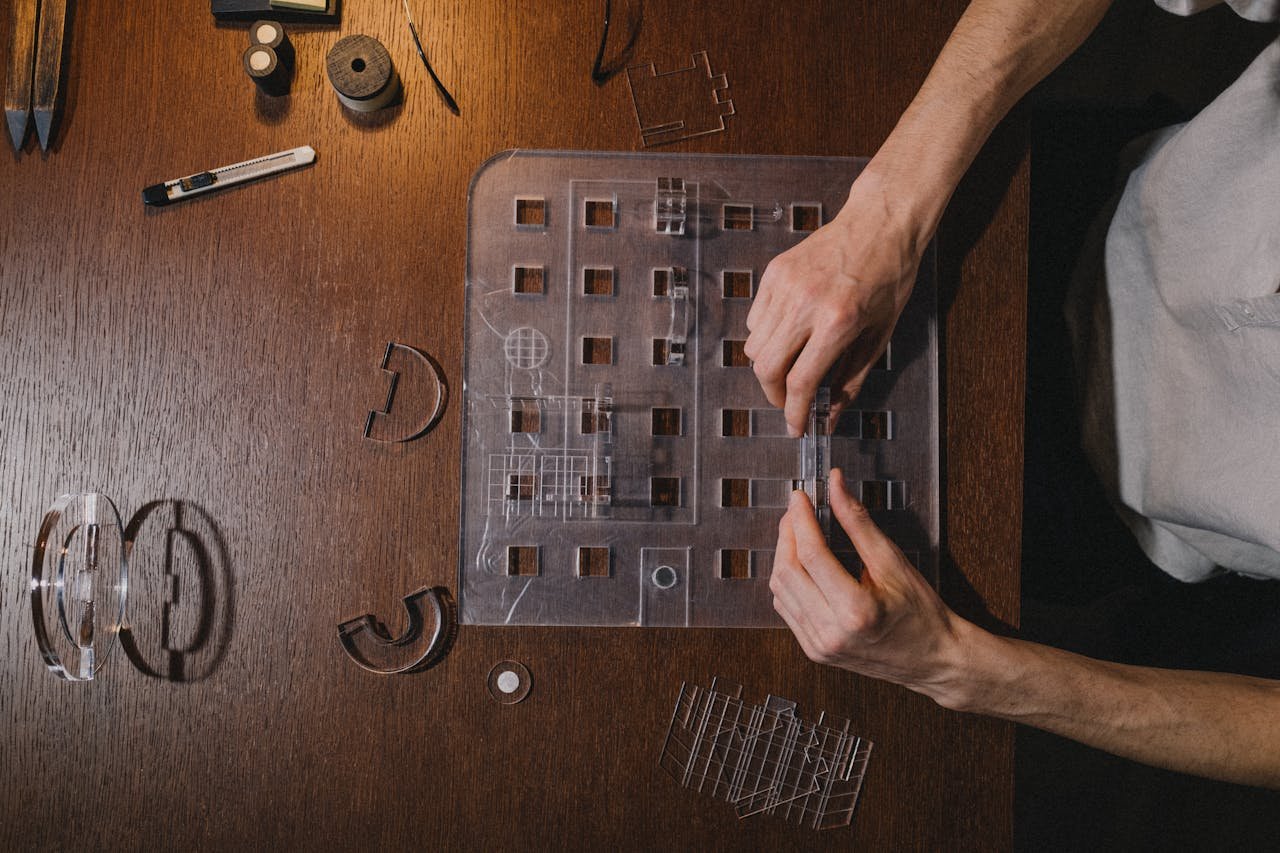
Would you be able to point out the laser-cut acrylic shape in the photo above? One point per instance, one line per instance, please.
(679, 104)
(407, 421)
(610, 417)
(368, 642)
(763, 759)
(79, 584)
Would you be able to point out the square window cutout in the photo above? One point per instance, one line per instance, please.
(735, 492)
(737, 284)
(735, 563)
(520, 487)
(597, 281)
(598, 213)
(593, 562)
(527, 280)
(666, 422)
(733, 354)
(597, 350)
(522, 560)
(595, 419)
(738, 217)
(735, 423)
(806, 217)
(531, 212)
(526, 416)
(664, 491)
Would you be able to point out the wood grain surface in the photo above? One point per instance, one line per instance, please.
(210, 367)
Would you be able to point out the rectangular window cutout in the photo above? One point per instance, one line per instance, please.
(664, 491)
(526, 416)
(733, 356)
(597, 350)
(597, 281)
(594, 489)
(735, 423)
(666, 422)
(527, 280)
(531, 212)
(598, 213)
(735, 564)
(661, 282)
(593, 562)
(522, 561)
(885, 361)
(883, 494)
(737, 284)
(738, 217)
(595, 419)
(806, 217)
(661, 351)
(735, 492)
(520, 487)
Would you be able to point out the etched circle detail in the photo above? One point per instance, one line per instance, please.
(526, 348)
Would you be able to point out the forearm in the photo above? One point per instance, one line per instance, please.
(1204, 723)
(997, 52)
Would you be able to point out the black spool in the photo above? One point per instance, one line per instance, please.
(264, 68)
(362, 74)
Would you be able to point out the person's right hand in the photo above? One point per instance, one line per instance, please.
(833, 300)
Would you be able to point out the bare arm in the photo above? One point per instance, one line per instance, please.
(890, 624)
(838, 294)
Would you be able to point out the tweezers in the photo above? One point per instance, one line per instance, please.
(35, 64)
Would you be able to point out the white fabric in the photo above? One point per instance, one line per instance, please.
(1254, 10)
(1179, 341)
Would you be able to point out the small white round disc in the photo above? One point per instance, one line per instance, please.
(508, 682)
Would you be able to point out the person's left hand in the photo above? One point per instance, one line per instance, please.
(889, 624)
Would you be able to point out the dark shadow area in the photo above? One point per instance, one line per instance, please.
(1087, 587)
(181, 592)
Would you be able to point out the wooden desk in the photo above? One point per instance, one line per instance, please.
(220, 357)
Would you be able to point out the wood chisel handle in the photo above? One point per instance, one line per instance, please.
(22, 50)
(48, 66)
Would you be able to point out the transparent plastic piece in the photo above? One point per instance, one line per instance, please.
(681, 103)
(370, 645)
(627, 418)
(764, 759)
(79, 584)
(409, 413)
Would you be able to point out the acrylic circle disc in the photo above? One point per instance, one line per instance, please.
(79, 584)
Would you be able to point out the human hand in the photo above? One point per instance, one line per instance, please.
(833, 300)
(889, 624)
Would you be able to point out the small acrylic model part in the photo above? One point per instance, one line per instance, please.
(509, 682)
(763, 759)
(79, 584)
(386, 426)
(679, 104)
(367, 641)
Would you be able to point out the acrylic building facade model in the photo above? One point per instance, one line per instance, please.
(620, 464)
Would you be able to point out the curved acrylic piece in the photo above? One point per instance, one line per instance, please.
(79, 584)
(367, 642)
(387, 427)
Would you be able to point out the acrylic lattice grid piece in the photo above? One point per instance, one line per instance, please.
(607, 397)
(763, 759)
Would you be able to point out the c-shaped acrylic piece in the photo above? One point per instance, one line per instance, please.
(368, 643)
(381, 419)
